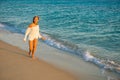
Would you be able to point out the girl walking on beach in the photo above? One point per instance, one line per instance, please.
(33, 32)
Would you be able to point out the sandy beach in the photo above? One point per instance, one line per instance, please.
(17, 65)
(51, 63)
(82, 39)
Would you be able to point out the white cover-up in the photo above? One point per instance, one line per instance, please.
(33, 33)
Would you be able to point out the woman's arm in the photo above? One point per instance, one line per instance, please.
(27, 32)
(40, 36)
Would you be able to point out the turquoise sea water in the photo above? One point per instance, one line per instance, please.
(89, 29)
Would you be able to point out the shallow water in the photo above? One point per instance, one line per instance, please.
(90, 30)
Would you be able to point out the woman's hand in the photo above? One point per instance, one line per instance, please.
(24, 40)
(43, 38)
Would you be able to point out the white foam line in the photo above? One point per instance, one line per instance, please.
(1, 25)
(88, 57)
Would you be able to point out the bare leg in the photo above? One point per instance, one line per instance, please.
(30, 47)
(35, 41)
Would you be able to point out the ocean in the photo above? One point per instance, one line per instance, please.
(88, 29)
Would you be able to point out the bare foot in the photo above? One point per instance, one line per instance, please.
(33, 57)
(29, 54)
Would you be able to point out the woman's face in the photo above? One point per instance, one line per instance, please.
(36, 19)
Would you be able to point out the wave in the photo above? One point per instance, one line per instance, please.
(86, 55)
(106, 64)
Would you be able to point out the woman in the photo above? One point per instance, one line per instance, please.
(33, 32)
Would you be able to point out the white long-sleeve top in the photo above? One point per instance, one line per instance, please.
(33, 33)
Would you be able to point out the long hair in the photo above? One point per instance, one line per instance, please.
(35, 17)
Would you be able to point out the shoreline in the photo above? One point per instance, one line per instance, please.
(59, 59)
(17, 65)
